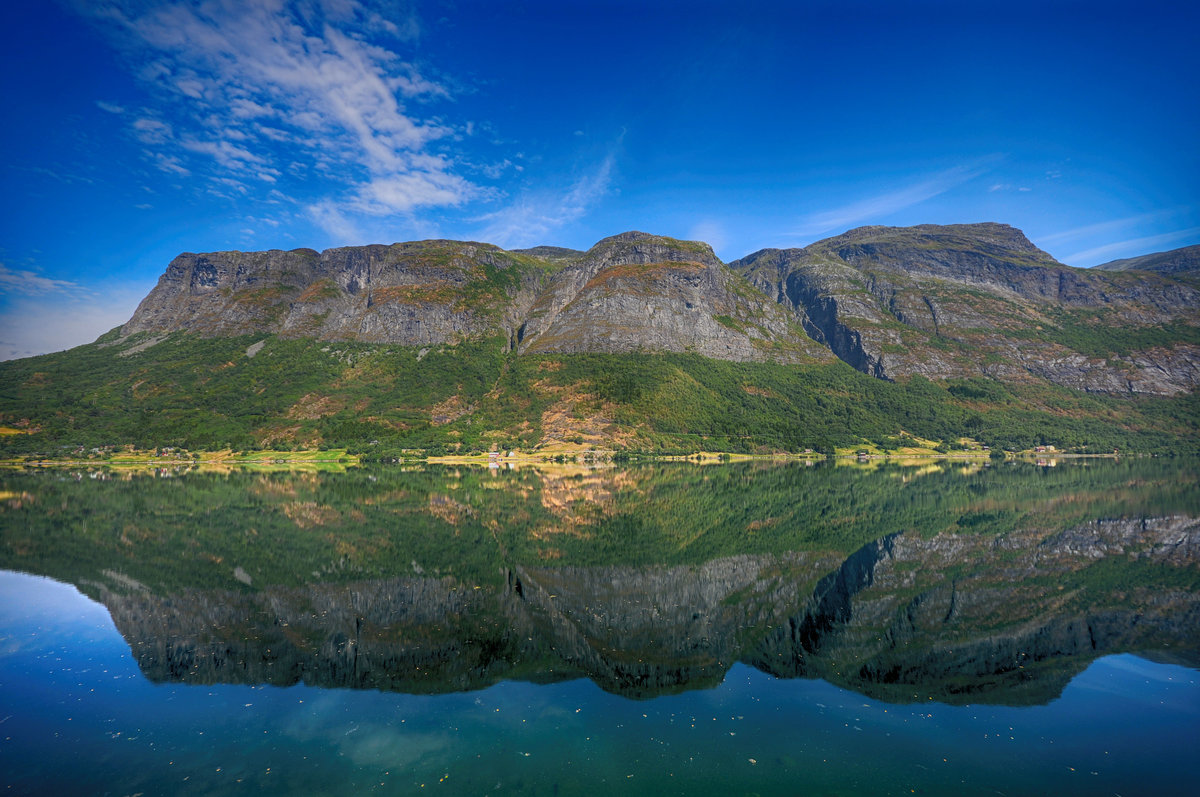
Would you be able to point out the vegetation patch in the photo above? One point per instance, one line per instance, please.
(640, 271)
(321, 289)
(378, 400)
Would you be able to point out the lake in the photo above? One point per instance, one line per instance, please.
(934, 628)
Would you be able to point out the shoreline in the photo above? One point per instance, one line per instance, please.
(544, 459)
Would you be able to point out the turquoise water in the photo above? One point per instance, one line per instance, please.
(79, 717)
(1039, 650)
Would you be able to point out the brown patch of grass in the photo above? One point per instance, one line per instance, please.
(313, 406)
(387, 422)
(415, 294)
(321, 289)
(449, 411)
(286, 434)
(15, 500)
(639, 271)
(576, 417)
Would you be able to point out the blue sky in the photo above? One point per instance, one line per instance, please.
(140, 129)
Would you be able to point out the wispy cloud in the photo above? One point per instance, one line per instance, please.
(39, 314)
(1131, 248)
(42, 324)
(528, 220)
(882, 205)
(1107, 228)
(248, 88)
(30, 283)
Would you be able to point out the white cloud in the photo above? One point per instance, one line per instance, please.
(228, 155)
(30, 283)
(405, 192)
(39, 314)
(110, 107)
(37, 326)
(152, 131)
(529, 219)
(250, 86)
(329, 217)
(875, 208)
(169, 164)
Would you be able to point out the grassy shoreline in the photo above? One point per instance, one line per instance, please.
(340, 459)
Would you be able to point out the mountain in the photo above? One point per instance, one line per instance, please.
(981, 300)
(629, 292)
(635, 292)
(937, 301)
(640, 342)
(421, 293)
(1184, 262)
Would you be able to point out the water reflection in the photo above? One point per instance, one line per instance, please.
(904, 584)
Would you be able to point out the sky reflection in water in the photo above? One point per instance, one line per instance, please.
(80, 717)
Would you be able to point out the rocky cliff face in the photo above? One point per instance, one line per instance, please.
(639, 292)
(938, 301)
(631, 292)
(422, 293)
(981, 300)
(959, 618)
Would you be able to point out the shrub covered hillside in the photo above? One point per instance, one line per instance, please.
(250, 392)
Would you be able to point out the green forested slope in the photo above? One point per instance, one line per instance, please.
(215, 393)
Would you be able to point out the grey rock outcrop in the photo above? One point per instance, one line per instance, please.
(630, 292)
(981, 300)
(421, 293)
(639, 292)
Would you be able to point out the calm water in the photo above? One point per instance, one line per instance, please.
(772, 630)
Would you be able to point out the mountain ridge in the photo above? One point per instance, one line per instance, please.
(1184, 261)
(967, 300)
(642, 343)
(938, 301)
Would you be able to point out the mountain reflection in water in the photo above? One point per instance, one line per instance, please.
(962, 585)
